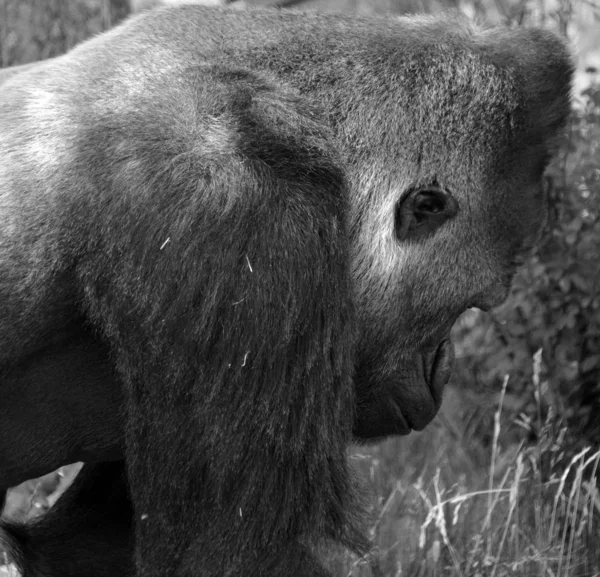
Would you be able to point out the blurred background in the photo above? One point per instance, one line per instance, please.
(504, 481)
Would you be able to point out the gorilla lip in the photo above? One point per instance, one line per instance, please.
(435, 371)
(416, 406)
(440, 369)
(403, 426)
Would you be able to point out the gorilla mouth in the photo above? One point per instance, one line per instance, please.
(424, 397)
(418, 397)
(437, 369)
(408, 402)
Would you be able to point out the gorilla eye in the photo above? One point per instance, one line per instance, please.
(427, 203)
(422, 211)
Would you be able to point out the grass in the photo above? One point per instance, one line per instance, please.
(522, 500)
(450, 504)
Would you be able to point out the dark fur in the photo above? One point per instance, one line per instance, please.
(209, 197)
(75, 414)
(93, 517)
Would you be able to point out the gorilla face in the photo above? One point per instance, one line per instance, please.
(448, 263)
(445, 254)
(438, 233)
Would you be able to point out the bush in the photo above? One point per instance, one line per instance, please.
(555, 302)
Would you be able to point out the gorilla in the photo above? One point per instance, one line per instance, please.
(232, 243)
(136, 6)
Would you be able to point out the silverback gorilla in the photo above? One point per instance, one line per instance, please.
(231, 243)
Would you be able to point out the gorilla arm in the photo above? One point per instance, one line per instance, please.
(229, 254)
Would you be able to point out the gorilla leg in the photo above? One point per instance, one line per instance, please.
(76, 416)
(61, 405)
(88, 532)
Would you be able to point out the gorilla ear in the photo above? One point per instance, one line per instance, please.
(542, 66)
(421, 211)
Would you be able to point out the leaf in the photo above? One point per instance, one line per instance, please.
(589, 363)
(565, 284)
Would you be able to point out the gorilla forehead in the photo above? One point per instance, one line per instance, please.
(396, 61)
(426, 91)
(443, 107)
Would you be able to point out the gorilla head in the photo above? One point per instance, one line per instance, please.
(463, 198)
(444, 148)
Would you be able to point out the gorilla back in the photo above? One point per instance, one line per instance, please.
(267, 224)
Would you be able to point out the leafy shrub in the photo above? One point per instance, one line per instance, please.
(555, 301)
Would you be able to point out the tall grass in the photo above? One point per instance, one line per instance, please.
(449, 504)
(521, 501)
